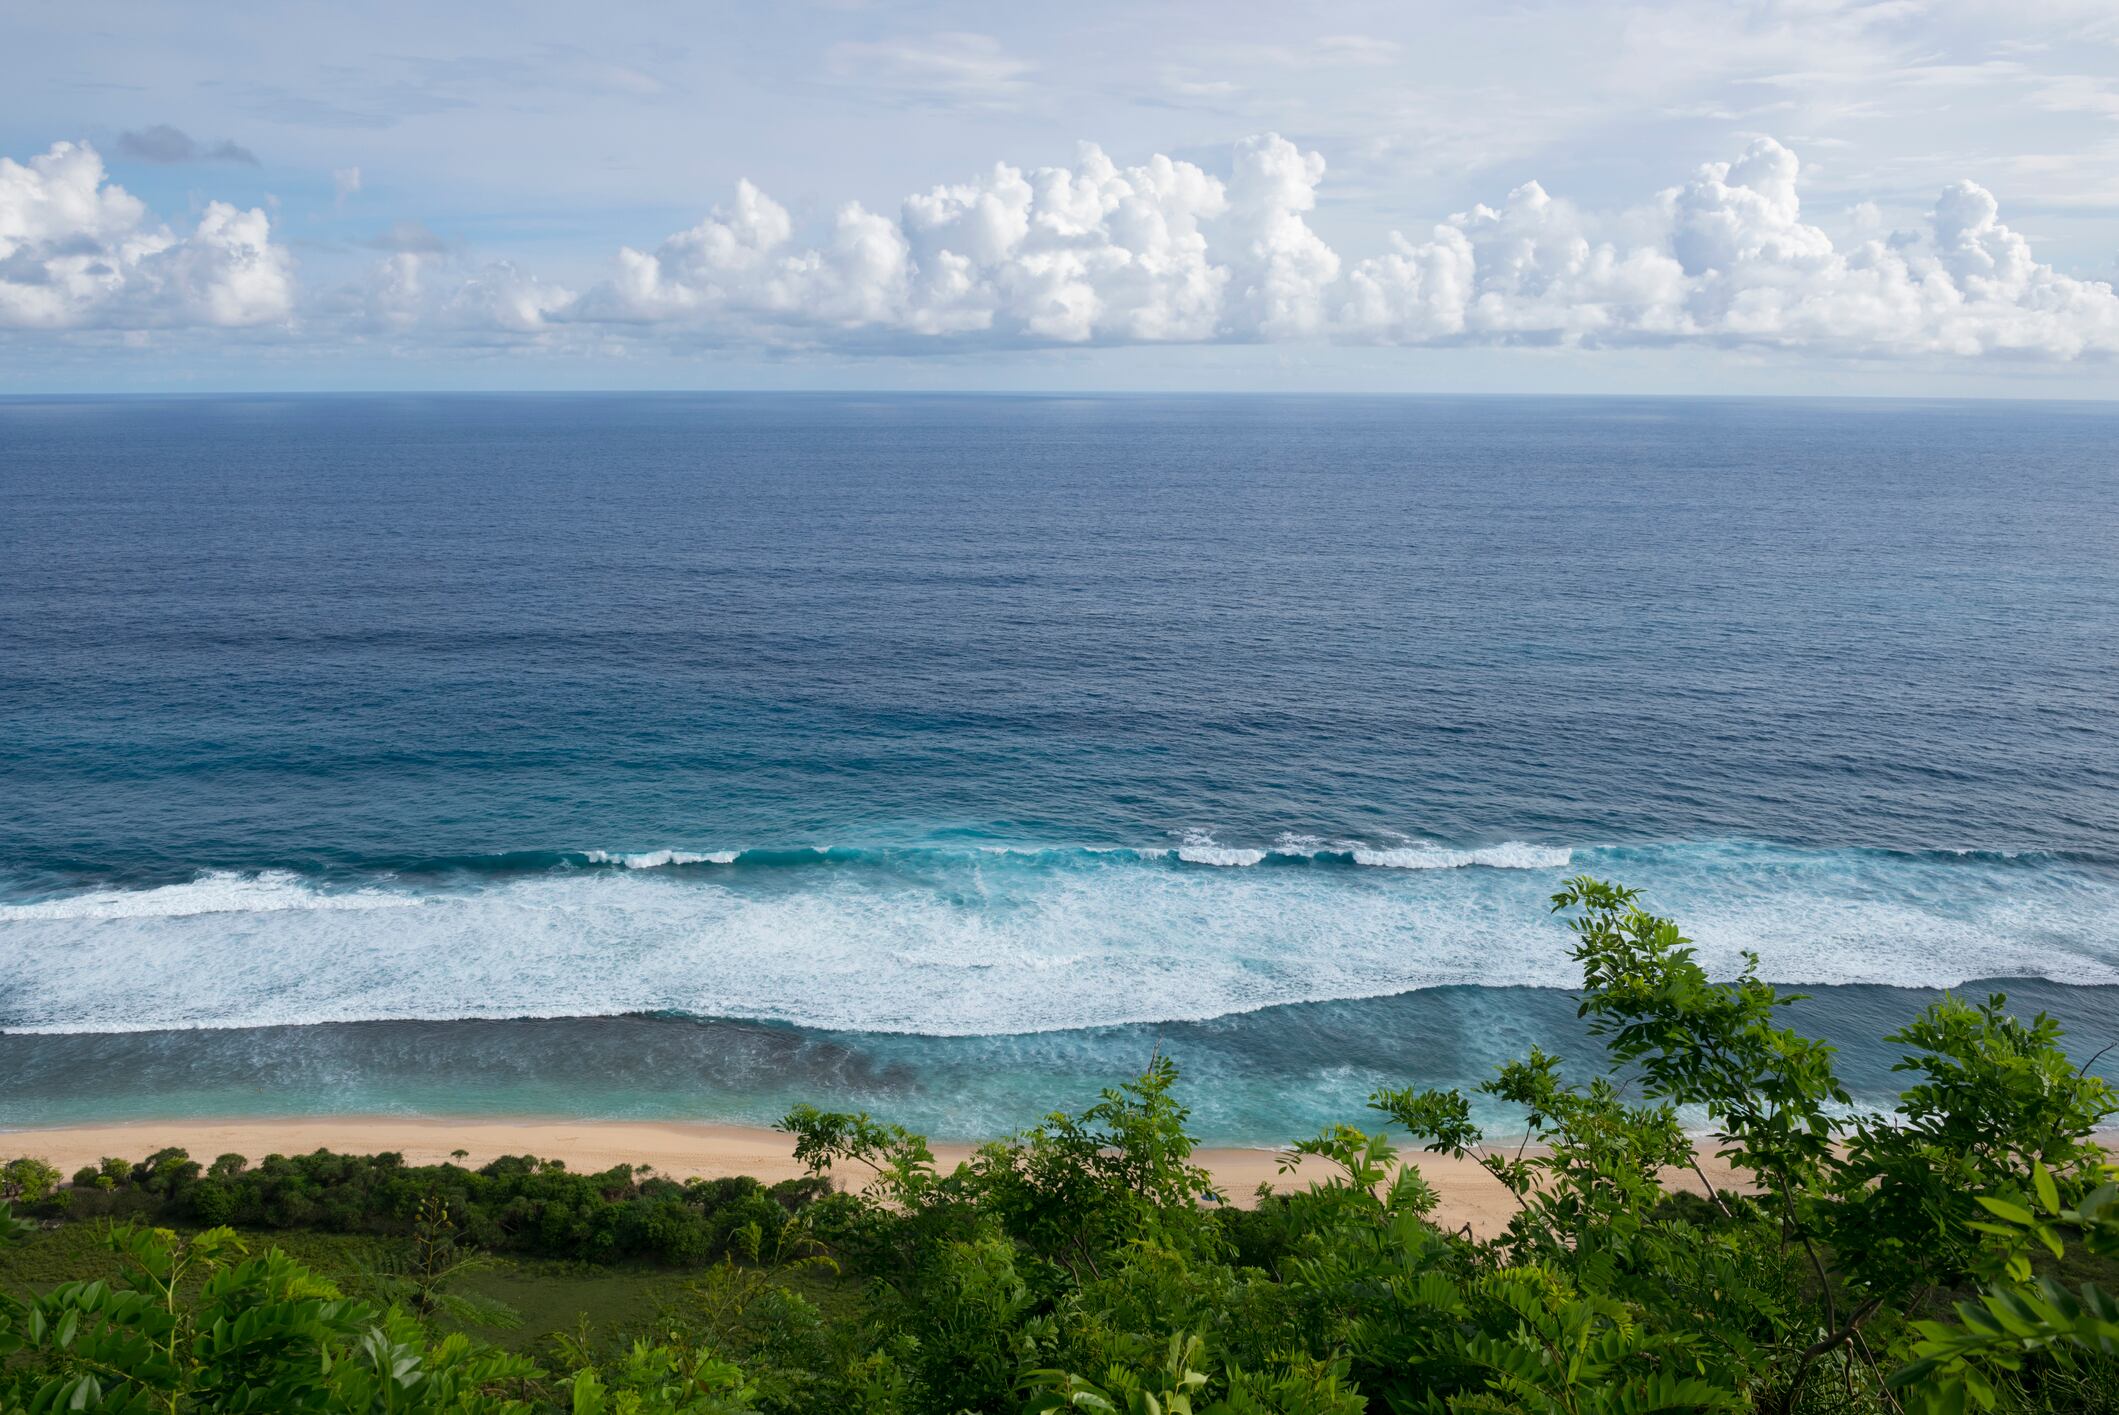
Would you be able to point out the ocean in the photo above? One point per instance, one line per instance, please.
(688, 756)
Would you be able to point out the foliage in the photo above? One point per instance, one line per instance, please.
(1996, 1334)
(27, 1182)
(193, 1323)
(1077, 1187)
(517, 1204)
(1996, 1101)
(1954, 1253)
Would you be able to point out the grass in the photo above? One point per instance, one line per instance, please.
(613, 1303)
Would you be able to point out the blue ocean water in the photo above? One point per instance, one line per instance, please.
(685, 755)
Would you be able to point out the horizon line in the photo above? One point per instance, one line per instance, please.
(123, 395)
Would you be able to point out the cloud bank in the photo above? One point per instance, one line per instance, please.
(1098, 254)
(77, 251)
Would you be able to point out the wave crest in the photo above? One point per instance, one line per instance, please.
(658, 859)
(970, 942)
(217, 892)
(1200, 848)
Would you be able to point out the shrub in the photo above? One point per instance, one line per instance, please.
(27, 1182)
(211, 1202)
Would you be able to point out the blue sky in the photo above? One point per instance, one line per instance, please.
(1809, 196)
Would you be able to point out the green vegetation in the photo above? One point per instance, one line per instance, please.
(1945, 1258)
(546, 1296)
(514, 1205)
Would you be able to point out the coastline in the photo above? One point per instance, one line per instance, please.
(683, 1150)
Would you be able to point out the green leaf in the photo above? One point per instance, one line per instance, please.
(2048, 1191)
(2002, 1208)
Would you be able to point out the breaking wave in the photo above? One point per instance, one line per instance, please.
(656, 859)
(992, 940)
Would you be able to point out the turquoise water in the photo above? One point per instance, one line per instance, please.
(687, 756)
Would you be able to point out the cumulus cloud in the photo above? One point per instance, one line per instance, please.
(1730, 260)
(499, 296)
(1284, 269)
(1166, 251)
(165, 144)
(1061, 255)
(1094, 252)
(77, 250)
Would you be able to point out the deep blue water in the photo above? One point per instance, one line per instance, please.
(951, 753)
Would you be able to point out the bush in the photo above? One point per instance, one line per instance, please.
(518, 1204)
(211, 1203)
(27, 1182)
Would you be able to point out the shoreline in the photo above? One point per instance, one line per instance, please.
(683, 1150)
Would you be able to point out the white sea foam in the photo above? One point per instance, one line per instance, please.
(1200, 848)
(1426, 855)
(1509, 855)
(221, 892)
(656, 859)
(982, 944)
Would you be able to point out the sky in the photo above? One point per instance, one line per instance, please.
(1894, 197)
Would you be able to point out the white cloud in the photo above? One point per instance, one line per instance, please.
(1057, 254)
(498, 296)
(1167, 252)
(77, 250)
(1283, 268)
(228, 272)
(420, 285)
(1734, 263)
(738, 265)
(1184, 84)
(1092, 252)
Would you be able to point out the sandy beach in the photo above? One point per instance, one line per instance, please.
(1469, 1195)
